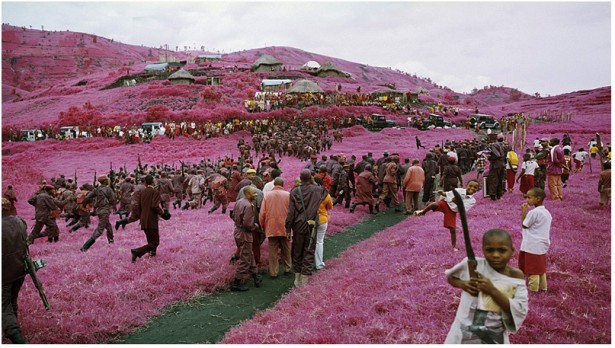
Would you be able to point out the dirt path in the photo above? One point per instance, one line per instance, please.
(206, 319)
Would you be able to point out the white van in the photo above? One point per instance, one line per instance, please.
(31, 134)
(150, 127)
(70, 132)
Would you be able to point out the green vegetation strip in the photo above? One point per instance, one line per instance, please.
(205, 319)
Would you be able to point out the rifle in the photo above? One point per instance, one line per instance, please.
(111, 175)
(125, 171)
(600, 151)
(139, 159)
(466, 234)
(76, 179)
(94, 182)
(31, 269)
(182, 168)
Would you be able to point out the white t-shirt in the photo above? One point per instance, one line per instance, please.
(468, 201)
(268, 187)
(529, 166)
(536, 236)
(580, 155)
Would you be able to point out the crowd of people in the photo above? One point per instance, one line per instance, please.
(197, 130)
(295, 222)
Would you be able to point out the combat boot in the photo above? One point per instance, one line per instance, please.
(258, 279)
(17, 338)
(72, 223)
(238, 286)
(378, 207)
(88, 244)
(304, 279)
(223, 210)
(214, 208)
(185, 207)
(353, 207)
(122, 222)
(74, 228)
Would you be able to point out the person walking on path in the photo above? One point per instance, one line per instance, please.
(272, 218)
(323, 223)
(413, 184)
(555, 163)
(245, 225)
(302, 219)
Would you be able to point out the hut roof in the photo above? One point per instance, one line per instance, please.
(329, 66)
(305, 86)
(181, 74)
(266, 59)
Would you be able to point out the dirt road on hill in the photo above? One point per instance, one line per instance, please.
(206, 318)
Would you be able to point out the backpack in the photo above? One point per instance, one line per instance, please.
(513, 159)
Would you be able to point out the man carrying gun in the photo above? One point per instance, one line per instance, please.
(14, 251)
(103, 199)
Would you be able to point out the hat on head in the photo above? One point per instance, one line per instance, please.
(451, 159)
(49, 187)
(102, 178)
(385, 153)
(313, 157)
(251, 171)
(346, 165)
(544, 139)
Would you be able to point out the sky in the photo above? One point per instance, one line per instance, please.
(537, 47)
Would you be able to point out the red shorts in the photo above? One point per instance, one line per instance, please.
(532, 263)
(450, 217)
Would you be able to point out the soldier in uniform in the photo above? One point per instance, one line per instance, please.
(14, 251)
(343, 186)
(219, 186)
(166, 189)
(178, 188)
(83, 210)
(134, 211)
(195, 186)
(103, 199)
(245, 225)
(45, 213)
(126, 190)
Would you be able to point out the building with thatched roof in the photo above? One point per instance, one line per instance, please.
(269, 85)
(391, 96)
(181, 77)
(266, 63)
(305, 86)
(328, 69)
(208, 58)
